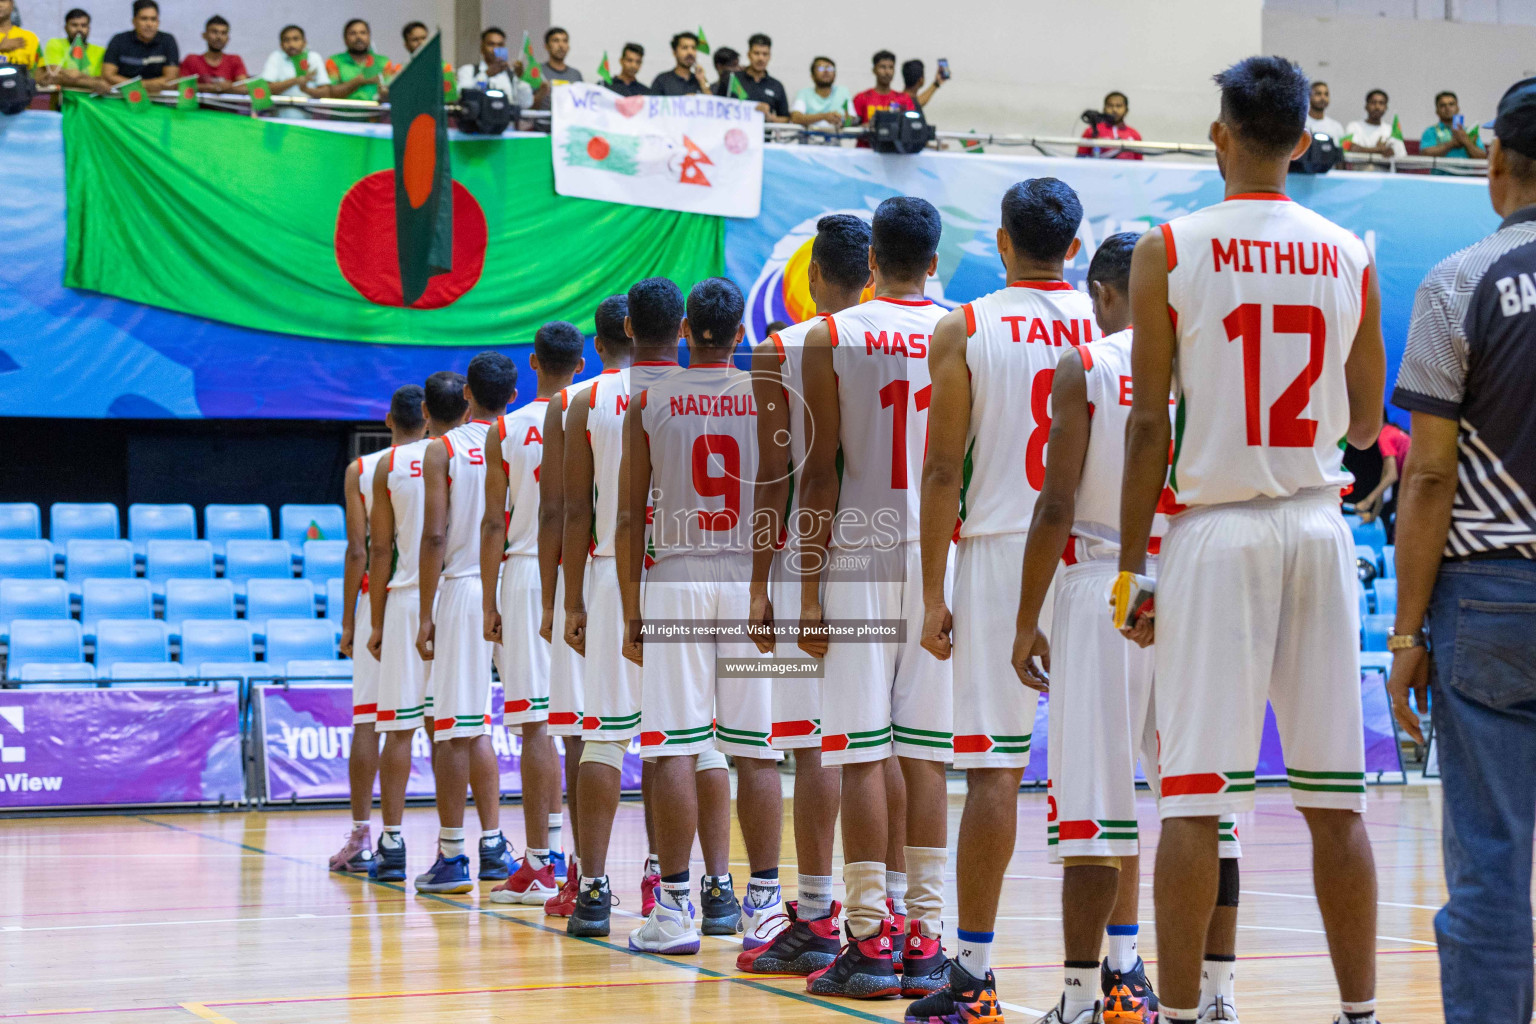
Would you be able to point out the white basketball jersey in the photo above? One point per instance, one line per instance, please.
(1016, 335)
(880, 355)
(407, 496)
(522, 453)
(790, 345)
(575, 393)
(1266, 297)
(366, 465)
(607, 402)
(466, 497)
(701, 428)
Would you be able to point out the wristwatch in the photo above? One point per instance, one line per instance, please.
(1403, 641)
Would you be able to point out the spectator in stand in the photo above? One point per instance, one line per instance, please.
(761, 87)
(216, 70)
(913, 75)
(293, 69)
(1110, 124)
(143, 51)
(1447, 136)
(727, 63)
(823, 102)
(627, 81)
(687, 75)
(55, 69)
(1374, 134)
(17, 45)
(356, 72)
(494, 72)
(1317, 120)
(1393, 443)
(555, 71)
(882, 97)
(414, 34)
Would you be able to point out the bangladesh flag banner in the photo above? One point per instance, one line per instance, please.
(186, 92)
(324, 205)
(603, 73)
(531, 72)
(260, 93)
(135, 95)
(738, 91)
(703, 46)
(450, 85)
(423, 179)
(78, 61)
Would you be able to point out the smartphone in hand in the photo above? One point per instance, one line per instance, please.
(944, 69)
(500, 53)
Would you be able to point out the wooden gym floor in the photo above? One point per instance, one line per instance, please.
(233, 918)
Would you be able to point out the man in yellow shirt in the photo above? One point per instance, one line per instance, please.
(17, 45)
(77, 25)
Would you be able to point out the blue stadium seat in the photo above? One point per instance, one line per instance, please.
(223, 523)
(179, 560)
(20, 520)
(257, 559)
(98, 559)
(130, 640)
(57, 672)
(165, 673)
(309, 668)
(1389, 561)
(160, 522)
(197, 599)
(1374, 628)
(1386, 597)
(68, 520)
(324, 559)
(278, 599)
(31, 599)
(1365, 601)
(1372, 534)
(47, 640)
(231, 670)
(296, 523)
(114, 599)
(216, 640)
(26, 559)
(334, 598)
(299, 639)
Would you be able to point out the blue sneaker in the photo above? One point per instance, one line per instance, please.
(496, 860)
(557, 858)
(388, 865)
(446, 875)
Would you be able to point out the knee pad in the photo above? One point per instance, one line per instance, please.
(1226, 888)
(709, 759)
(1091, 862)
(605, 752)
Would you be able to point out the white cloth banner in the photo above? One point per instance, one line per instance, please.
(698, 154)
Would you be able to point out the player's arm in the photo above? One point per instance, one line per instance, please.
(551, 512)
(1148, 432)
(818, 500)
(578, 524)
(434, 539)
(629, 533)
(771, 493)
(493, 534)
(1365, 371)
(1055, 509)
(949, 420)
(381, 547)
(357, 555)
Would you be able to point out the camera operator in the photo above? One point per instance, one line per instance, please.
(1110, 124)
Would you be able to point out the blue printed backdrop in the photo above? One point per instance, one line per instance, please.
(81, 354)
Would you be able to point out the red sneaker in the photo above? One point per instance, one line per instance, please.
(527, 885)
(805, 947)
(896, 928)
(648, 885)
(925, 968)
(862, 970)
(563, 903)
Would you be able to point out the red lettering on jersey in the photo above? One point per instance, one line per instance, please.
(1014, 321)
(1287, 254)
(620, 404)
(1227, 255)
(476, 457)
(1037, 333)
(1263, 248)
(893, 344)
(532, 437)
(1304, 258)
(915, 347)
(1330, 260)
(1301, 254)
(415, 467)
(1125, 391)
(1065, 330)
(873, 344)
(536, 470)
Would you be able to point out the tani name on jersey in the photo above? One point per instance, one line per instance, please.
(1258, 256)
(1060, 331)
(712, 405)
(913, 346)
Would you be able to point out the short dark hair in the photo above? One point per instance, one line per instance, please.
(405, 407)
(634, 48)
(492, 30)
(610, 319)
(554, 30)
(1123, 98)
(905, 235)
(139, 5)
(1378, 92)
(655, 309)
(1317, 82)
(411, 26)
(911, 72)
(1111, 263)
(1446, 92)
(1042, 216)
(1264, 100)
(493, 379)
(775, 326)
(356, 21)
(725, 55)
(218, 19)
(715, 306)
(684, 35)
(559, 345)
(444, 396)
(881, 55)
(841, 249)
(300, 30)
(820, 60)
(759, 39)
(77, 12)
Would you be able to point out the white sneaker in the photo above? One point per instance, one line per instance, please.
(1092, 1015)
(1220, 1010)
(668, 932)
(763, 924)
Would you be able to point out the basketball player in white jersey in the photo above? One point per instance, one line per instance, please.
(394, 542)
(866, 415)
(690, 447)
(509, 563)
(1101, 687)
(1263, 319)
(452, 633)
(405, 424)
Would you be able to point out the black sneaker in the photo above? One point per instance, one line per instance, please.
(593, 913)
(388, 865)
(803, 948)
(862, 970)
(718, 906)
(495, 859)
(924, 967)
(964, 998)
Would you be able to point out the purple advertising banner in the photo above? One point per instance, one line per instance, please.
(120, 746)
(306, 738)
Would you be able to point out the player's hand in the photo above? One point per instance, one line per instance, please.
(938, 624)
(348, 632)
(547, 624)
(1410, 673)
(1144, 632)
(813, 631)
(576, 630)
(1029, 644)
(492, 625)
(424, 637)
(634, 648)
(375, 642)
(760, 622)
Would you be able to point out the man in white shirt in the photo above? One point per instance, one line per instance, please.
(1318, 121)
(1374, 134)
(294, 70)
(494, 72)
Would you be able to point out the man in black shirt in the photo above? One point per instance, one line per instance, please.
(688, 76)
(760, 86)
(144, 52)
(627, 81)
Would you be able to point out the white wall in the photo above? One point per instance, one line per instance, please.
(1025, 65)
(1499, 12)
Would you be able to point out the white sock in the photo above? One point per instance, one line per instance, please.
(1168, 1015)
(674, 894)
(451, 841)
(1122, 946)
(652, 864)
(896, 889)
(975, 953)
(865, 910)
(762, 892)
(1360, 1013)
(815, 897)
(1081, 989)
(1218, 977)
(925, 892)
(360, 825)
(391, 839)
(587, 883)
(490, 835)
(538, 859)
(555, 821)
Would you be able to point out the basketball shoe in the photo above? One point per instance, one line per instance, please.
(965, 999)
(648, 886)
(528, 885)
(801, 947)
(762, 924)
(496, 858)
(924, 967)
(388, 864)
(1223, 1012)
(1092, 1015)
(666, 931)
(562, 903)
(593, 912)
(718, 906)
(1128, 995)
(896, 925)
(356, 854)
(862, 970)
(446, 875)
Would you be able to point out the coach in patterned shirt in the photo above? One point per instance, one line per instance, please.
(1466, 565)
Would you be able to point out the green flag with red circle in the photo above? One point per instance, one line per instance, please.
(423, 178)
(135, 94)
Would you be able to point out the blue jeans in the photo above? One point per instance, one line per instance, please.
(1482, 621)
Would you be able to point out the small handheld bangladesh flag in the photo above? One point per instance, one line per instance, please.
(186, 92)
(605, 75)
(1397, 128)
(737, 90)
(261, 94)
(77, 58)
(135, 95)
(531, 73)
(300, 64)
(703, 46)
(450, 85)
